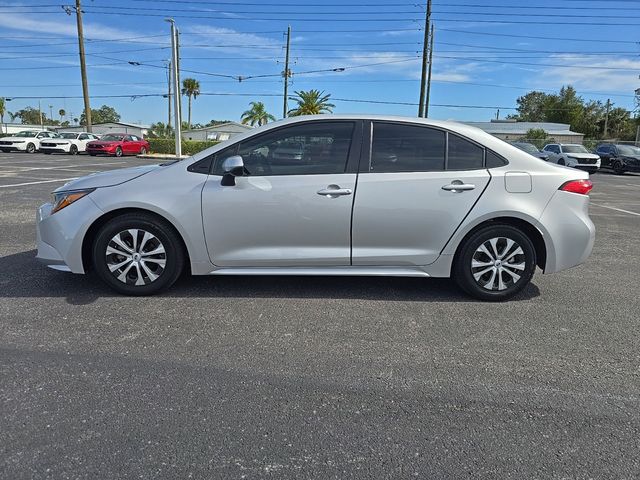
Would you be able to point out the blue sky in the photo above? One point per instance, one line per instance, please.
(486, 53)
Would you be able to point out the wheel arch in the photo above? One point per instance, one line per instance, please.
(93, 229)
(528, 228)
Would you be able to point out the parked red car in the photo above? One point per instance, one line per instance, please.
(118, 144)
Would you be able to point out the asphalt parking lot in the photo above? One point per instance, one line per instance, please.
(242, 377)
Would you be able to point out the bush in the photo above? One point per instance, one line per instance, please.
(168, 145)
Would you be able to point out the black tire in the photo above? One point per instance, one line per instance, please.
(143, 151)
(464, 275)
(165, 234)
(118, 152)
(31, 148)
(561, 162)
(618, 169)
(73, 150)
(92, 154)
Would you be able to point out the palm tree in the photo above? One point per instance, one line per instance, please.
(257, 114)
(190, 88)
(312, 102)
(62, 113)
(2, 112)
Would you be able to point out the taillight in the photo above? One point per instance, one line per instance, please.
(582, 187)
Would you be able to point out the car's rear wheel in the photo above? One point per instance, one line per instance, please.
(143, 151)
(73, 150)
(31, 148)
(118, 152)
(137, 254)
(495, 263)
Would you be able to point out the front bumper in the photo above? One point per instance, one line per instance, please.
(59, 237)
(59, 148)
(15, 147)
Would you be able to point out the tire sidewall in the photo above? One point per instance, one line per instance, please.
(166, 235)
(31, 148)
(73, 150)
(118, 152)
(462, 268)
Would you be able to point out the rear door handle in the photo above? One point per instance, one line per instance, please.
(458, 186)
(334, 191)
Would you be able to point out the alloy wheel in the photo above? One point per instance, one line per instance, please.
(498, 263)
(136, 257)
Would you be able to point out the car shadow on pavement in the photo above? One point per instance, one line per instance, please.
(24, 276)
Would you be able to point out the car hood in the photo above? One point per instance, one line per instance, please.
(582, 155)
(13, 139)
(107, 179)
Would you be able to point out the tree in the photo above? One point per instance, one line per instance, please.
(104, 114)
(190, 88)
(160, 130)
(62, 113)
(312, 102)
(532, 107)
(29, 115)
(257, 114)
(2, 110)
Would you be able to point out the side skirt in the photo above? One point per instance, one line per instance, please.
(328, 271)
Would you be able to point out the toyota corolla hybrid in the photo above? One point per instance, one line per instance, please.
(363, 195)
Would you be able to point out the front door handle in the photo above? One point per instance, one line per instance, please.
(334, 191)
(458, 186)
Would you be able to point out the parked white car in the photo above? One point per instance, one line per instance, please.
(572, 155)
(25, 141)
(67, 142)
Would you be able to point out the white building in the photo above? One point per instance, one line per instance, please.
(12, 128)
(111, 127)
(511, 130)
(221, 132)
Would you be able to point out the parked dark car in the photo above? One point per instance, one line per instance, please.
(619, 158)
(531, 149)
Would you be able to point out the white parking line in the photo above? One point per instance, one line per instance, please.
(617, 209)
(36, 183)
(58, 167)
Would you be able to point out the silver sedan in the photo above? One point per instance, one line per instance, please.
(328, 195)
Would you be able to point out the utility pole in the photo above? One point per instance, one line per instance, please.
(426, 103)
(425, 47)
(606, 119)
(40, 113)
(177, 90)
(169, 82)
(83, 67)
(286, 74)
(176, 86)
(50, 112)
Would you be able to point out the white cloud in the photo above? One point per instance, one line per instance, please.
(623, 79)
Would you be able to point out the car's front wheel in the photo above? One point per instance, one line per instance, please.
(618, 169)
(31, 148)
(138, 254)
(73, 150)
(495, 263)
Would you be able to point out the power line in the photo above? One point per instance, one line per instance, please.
(591, 67)
(538, 37)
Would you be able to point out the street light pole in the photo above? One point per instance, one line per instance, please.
(176, 87)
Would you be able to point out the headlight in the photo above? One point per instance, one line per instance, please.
(64, 199)
(18, 141)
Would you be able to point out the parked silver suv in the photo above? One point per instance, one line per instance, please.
(328, 195)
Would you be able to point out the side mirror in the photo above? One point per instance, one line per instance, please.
(232, 167)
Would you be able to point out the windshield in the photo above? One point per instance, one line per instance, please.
(112, 138)
(628, 150)
(527, 147)
(67, 135)
(26, 133)
(574, 149)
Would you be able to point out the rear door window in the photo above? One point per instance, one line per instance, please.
(463, 154)
(406, 148)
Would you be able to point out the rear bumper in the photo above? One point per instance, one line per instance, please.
(569, 232)
(59, 237)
